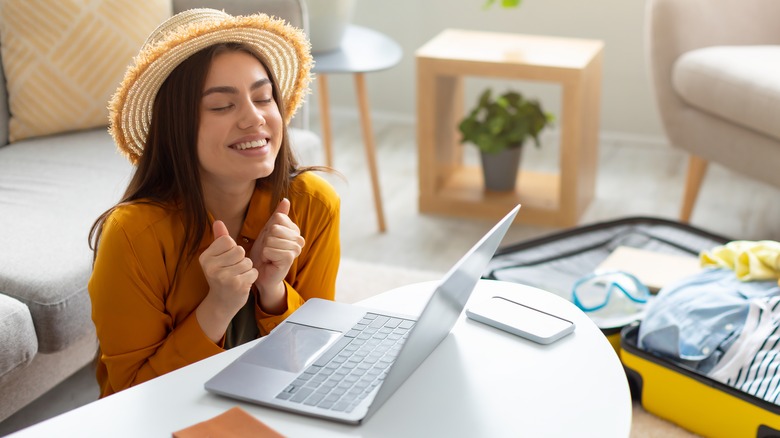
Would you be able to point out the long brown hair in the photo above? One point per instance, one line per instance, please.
(168, 174)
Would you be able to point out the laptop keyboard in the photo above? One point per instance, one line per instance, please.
(342, 377)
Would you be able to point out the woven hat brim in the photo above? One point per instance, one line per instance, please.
(284, 48)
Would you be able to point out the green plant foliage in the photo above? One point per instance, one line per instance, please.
(504, 3)
(503, 123)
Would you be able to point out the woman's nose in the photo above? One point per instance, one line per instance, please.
(251, 117)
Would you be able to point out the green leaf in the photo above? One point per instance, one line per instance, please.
(484, 99)
(504, 3)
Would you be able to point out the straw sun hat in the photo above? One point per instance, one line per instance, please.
(284, 48)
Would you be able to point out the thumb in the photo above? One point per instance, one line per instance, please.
(219, 229)
(283, 207)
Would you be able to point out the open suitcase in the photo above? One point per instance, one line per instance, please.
(667, 390)
(555, 262)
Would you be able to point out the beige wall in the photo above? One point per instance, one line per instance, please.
(627, 105)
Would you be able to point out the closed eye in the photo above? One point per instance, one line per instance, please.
(222, 108)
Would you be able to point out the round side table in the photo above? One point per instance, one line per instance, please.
(362, 51)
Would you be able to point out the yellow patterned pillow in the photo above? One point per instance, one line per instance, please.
(64, 59)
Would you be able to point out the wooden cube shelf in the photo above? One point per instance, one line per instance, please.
(449, 187)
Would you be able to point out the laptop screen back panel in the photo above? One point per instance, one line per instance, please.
(442, 311)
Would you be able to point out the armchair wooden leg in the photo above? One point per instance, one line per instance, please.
(697, 167)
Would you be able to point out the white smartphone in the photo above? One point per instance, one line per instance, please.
(521, 320)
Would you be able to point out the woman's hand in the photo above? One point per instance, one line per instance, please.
(230, 276)
(273, 252)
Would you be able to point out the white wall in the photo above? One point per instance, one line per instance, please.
(627, 105)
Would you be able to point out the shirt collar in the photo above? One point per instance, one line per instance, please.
(256, 217)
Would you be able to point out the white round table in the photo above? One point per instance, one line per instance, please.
(479, 382)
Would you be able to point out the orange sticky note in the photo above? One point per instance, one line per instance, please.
(233, 423)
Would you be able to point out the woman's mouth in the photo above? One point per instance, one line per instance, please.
(249, 144)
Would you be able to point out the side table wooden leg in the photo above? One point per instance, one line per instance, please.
(368, 140)
(322, 84)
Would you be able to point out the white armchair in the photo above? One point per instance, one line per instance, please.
(715, 72)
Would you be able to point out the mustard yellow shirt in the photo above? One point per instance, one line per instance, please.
(146, 325)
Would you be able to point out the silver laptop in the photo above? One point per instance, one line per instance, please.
(341, 361)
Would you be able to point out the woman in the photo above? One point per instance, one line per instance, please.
(219, 236)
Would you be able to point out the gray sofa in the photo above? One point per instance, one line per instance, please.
(51, 190)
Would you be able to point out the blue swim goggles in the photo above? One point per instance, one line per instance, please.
(594, 291)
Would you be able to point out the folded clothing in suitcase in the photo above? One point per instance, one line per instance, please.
(555, 262)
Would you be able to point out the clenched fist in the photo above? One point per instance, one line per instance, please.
(230, 275)
(272, 254)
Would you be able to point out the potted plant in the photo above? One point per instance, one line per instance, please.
(499, 128)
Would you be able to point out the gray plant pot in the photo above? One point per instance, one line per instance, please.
(500, 169)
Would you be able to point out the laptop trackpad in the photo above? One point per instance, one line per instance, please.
(292, 347)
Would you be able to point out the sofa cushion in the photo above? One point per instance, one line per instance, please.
(17, 335)
(51, 190)
(737, 83)
(63, 61)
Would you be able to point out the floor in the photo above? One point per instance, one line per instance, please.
(634, 179)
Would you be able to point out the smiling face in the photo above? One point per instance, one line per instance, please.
(241, 128)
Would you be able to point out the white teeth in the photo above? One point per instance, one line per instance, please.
(250, 144)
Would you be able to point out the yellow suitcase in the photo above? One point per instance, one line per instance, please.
(692, 400)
